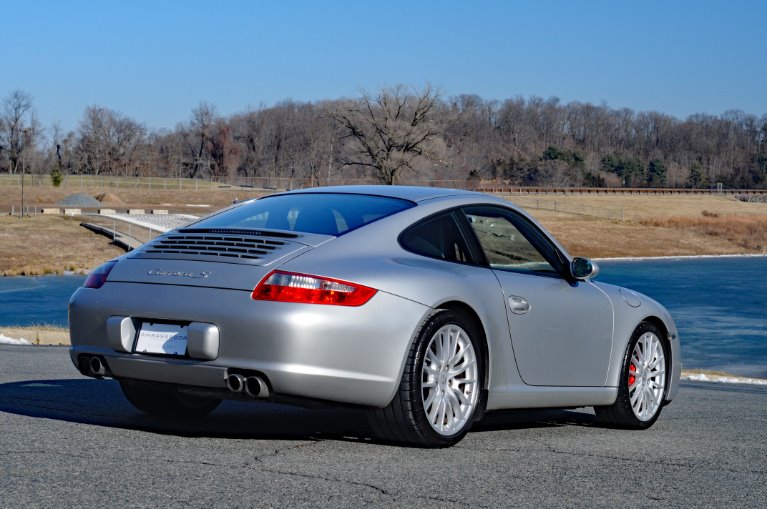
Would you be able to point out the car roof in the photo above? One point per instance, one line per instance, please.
(412, 193)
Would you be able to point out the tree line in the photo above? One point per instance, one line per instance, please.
(401, 135)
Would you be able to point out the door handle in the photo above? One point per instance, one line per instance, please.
(518, 305)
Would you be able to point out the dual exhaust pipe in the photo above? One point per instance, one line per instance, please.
(252, 385)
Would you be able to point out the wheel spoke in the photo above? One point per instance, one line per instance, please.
(452, 400)
(443, 413)
(454, 372)
(639, 351)
(656, 361)
(435, 409)
(658, 398)
(438, 355)
(453, 349)
(459, 396)
(456, 351)
(429, 401)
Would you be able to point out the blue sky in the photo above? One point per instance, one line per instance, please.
(156, 60)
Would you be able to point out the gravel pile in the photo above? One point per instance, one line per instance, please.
(80, 200)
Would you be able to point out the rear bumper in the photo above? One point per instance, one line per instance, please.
(342, 354)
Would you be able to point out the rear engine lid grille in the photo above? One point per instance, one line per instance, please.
(215, 245)
(240, 246)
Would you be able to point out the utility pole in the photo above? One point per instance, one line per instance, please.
(25, 131)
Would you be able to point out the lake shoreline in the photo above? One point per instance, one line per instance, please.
(677, 257)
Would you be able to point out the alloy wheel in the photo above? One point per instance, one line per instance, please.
(449, 380)
(647, 376)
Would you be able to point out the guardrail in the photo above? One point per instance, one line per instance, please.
(285, 183)
(110, 182)
(613, 190)
(530, 202)
(125, 241)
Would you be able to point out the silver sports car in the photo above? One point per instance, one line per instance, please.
(429, 306)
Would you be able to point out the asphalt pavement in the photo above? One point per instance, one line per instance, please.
(66, 440)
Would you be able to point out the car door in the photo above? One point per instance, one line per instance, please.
(561, 330)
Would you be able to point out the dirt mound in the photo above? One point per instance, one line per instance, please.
(109, 198)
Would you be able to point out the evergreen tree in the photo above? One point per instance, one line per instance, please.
(697, 178)
(56, 177)
(656, 174)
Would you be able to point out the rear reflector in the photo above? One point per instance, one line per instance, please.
(307, 289)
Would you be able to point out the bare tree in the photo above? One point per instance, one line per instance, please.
(199, 134)
(16, 120)
(111, 143)
(389, 133)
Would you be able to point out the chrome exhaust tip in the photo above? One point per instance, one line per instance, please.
(255, 387)
(235, 382)
(97, 367)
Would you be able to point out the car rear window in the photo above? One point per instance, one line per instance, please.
(324, 213)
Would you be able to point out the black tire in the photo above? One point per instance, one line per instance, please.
(622, 414)
(165, 400)
(405, 419)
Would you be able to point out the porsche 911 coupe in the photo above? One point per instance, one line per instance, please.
(427, 306)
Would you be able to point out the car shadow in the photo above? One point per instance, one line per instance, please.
(534, 418)
(101, 403)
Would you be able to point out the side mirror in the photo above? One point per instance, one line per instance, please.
(583, 268)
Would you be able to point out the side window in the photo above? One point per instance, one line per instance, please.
(437, 237)
(504, 245)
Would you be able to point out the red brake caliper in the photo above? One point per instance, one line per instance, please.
(632, 378)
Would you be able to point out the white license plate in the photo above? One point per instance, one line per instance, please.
(162, 338)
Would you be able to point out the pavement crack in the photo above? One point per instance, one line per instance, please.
(361, 484)
(659, 462)
(281, 450)
(448, 501)
(331, 479)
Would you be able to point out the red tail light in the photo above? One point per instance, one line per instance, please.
(98, 276)
(303, 288)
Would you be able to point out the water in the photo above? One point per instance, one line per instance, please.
(36, 300)
(719, 304)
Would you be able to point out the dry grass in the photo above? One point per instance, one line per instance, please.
(641, 206)
(665, 225)
(50, 245)
(749, 232)
(38, 334)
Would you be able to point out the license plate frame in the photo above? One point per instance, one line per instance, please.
(155, 338)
